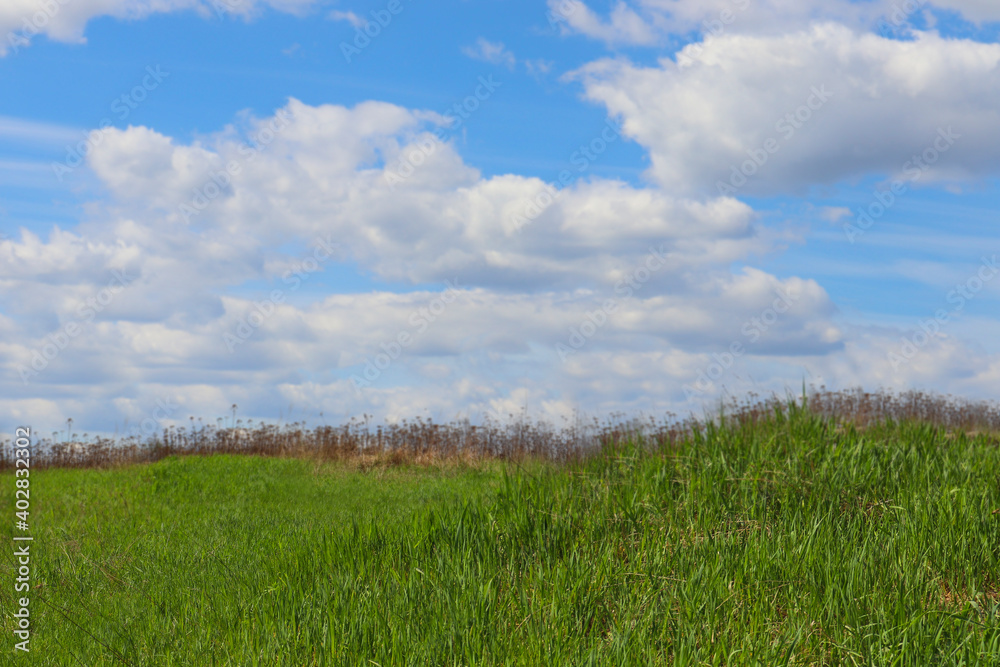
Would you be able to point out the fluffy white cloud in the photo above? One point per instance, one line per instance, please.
(328, 170)
(811, 107)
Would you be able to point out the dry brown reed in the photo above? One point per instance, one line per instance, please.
(421, 441)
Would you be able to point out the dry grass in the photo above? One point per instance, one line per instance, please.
(862, 408)
(422, 442)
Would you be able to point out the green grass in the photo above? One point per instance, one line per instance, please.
(787, 542)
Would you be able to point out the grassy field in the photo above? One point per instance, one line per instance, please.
(790, 539)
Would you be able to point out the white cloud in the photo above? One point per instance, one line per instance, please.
(492, 52)
(623, 25)
(653, 22)
(326, 173)
(65, 20)
(834, 214)
(349, 17)
(539, 67)
(706, 114)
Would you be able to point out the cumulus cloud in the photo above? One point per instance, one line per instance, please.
(776, 114)
(329, 170)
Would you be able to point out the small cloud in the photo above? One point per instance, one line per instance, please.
(538, 68)
(623, 25)
(833, 214)
(491, 52)
(350, 17)
(292, 50)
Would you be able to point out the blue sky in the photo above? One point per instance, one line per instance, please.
(534, 258)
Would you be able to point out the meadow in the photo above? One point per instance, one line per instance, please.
(836, 529)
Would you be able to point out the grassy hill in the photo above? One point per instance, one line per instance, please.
(779, 536)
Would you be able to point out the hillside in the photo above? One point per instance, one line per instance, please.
(771, 537)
